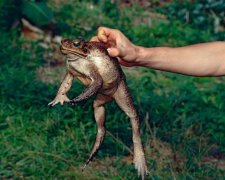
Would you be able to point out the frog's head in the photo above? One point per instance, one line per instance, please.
(79, 48)
(75, 47)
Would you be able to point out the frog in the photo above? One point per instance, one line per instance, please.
(90, 63)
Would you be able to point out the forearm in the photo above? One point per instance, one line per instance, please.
(206, 59)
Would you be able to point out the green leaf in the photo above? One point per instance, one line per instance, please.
(37, 12)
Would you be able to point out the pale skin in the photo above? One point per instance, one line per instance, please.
(205, 59)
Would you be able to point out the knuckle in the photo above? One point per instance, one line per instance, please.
(100, 28)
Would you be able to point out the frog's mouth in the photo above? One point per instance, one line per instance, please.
(72, 57)
(77, 52)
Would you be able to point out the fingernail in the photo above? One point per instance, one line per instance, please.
(109, 51)
(113, 52)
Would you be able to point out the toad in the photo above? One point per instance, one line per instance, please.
(90, 63)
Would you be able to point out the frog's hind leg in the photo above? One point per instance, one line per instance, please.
(123, 99)
(99, 113)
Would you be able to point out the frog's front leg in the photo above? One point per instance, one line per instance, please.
(93, 88)
(65, 86)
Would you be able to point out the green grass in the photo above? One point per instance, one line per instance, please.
(182, 127)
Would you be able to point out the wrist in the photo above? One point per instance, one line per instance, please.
(156, 57)
(143, 56)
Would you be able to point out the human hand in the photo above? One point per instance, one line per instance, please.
(118, 45)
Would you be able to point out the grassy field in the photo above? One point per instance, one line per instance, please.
(183, 118)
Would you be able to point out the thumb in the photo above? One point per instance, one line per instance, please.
(114, 52)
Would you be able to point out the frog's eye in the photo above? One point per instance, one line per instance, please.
(85, 49)
(76, 43)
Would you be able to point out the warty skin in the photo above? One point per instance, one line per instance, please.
(90, 63)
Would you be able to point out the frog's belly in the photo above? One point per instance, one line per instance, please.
(86, 81)
(106, 84)
(107, 87)
(109, 76)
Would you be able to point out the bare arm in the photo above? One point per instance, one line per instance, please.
(206, 59)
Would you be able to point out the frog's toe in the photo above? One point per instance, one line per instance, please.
(140, 166)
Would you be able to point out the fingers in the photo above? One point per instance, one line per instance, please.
(103, 33)
(102, 36)
(117, 44)
(94, 38)
(114, 52)
(107, 34)
(114, 40)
